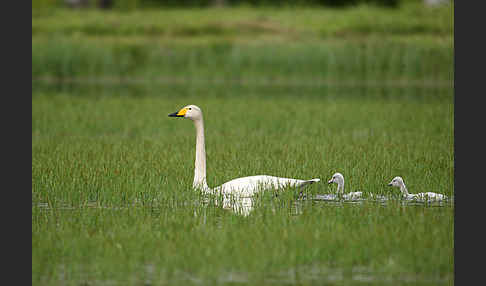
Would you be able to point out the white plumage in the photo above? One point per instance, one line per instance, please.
(338, 179)
(427, 196)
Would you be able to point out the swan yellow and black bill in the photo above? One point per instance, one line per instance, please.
(180, 113)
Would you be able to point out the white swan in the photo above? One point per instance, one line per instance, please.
(428, 196)
(338, 179)
(240, 187)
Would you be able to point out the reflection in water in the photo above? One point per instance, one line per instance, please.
(338, 198)
(432, 203)
(239, 205)
(245, 205)
(333, 199)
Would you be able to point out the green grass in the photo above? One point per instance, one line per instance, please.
(116, 173)
(360, 44)
(364, 91)
(371, 62)
(297, 23)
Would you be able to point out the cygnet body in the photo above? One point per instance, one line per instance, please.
(427, 196)
(338, 179)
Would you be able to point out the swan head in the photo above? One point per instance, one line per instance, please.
(396, 182)
(192, 112)
(337, 178)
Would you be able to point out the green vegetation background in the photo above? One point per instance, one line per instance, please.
(290, 91)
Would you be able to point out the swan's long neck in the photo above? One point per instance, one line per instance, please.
(340, 188)
(403, 189)
(200, 163)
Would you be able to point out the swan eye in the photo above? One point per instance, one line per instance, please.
(189, 108)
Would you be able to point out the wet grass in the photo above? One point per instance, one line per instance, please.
(112, 199)
(364, 91)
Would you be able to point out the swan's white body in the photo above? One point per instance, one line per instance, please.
(427, 196)
(240, 187)
(248, 186)
(338, 179)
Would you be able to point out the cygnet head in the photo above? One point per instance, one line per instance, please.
(192, 112)
(337, 178)
(396, 182)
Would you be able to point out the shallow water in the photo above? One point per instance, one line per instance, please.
(319, 275)
(298, 275)
(245, 205)
(381, 199)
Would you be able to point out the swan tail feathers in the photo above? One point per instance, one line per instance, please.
(308, 182)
